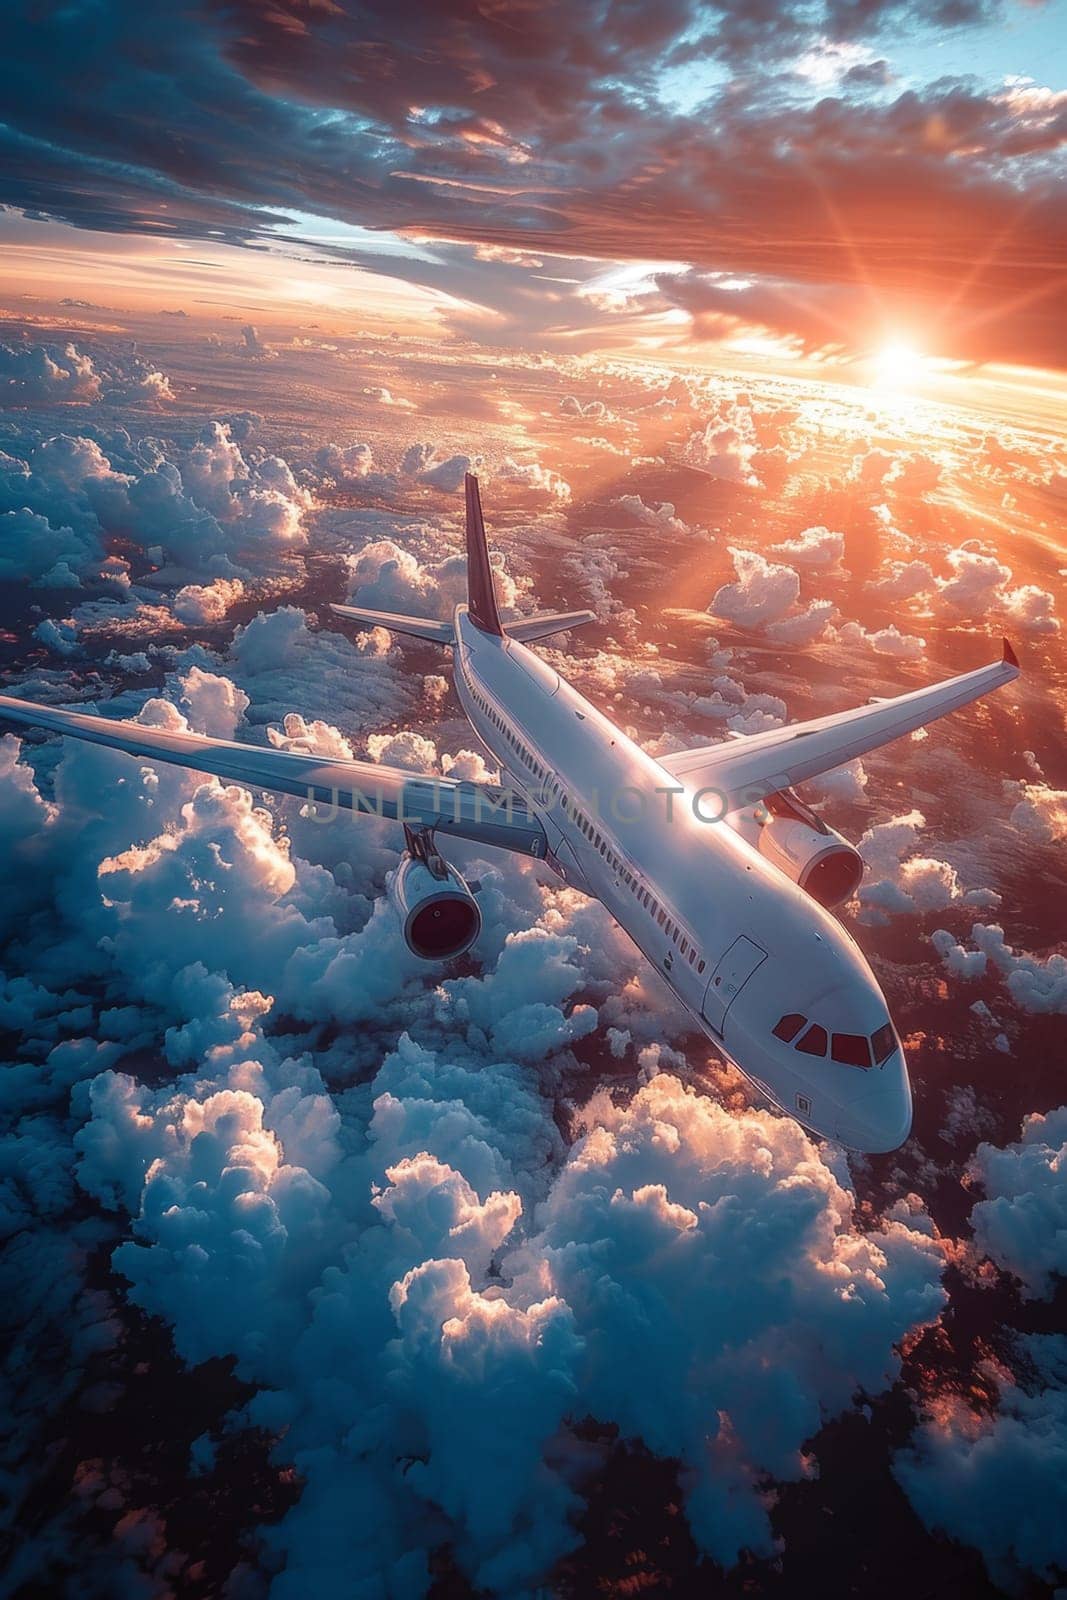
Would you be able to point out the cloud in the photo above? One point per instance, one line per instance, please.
(37, 374)
(978, 585)
(1036, 985)
(898, 880)
(207, 603)
(586, 410)
(385, 1229)
(534, 478)
(992, 1481)
(977, 579)
(847, 784)
(814, 622)
(961, 963)
(1022, 1222)
(446, 475)
(893, 192)
(884, 641)
(660, 516)
(206, 508)
(904, 580)
(385, 397)
(1040, 813)
(815, 547)
(762, 593)
(657, 1225)
(726, 447)
(47, 374)
(387, 577)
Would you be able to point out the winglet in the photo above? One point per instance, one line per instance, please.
(481, 596)
(1009, 654)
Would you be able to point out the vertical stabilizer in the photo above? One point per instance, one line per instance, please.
(481, 596)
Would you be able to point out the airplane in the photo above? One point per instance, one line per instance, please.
(723, 877)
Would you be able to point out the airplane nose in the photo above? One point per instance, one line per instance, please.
(881, 1121)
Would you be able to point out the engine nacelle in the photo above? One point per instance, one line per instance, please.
(788, 833)
(437, 911)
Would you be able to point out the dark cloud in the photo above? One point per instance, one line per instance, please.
(547, 128)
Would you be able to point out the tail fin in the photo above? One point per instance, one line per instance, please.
(481, 596)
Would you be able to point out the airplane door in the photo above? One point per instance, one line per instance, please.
(729, 978)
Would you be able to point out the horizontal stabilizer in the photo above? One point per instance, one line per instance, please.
(417, 627)
(548, 622)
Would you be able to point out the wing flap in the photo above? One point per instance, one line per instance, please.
(747, 769)
(467, 810)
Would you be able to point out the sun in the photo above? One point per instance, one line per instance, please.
(897, 364)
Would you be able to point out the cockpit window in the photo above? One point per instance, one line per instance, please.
(789, 1026)
(813, 1042)
(851, 1049)
(884, 1042)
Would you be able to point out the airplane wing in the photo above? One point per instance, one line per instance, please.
(747, 769)
(467, 810)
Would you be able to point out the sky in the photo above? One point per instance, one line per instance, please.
(820, 180)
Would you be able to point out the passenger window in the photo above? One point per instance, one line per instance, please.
(884, 1042)
(813, 1043)
(851, 1049)
(661, 916)
(789, 1026)
(700, 964)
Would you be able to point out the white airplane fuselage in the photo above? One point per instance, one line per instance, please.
(740, 945)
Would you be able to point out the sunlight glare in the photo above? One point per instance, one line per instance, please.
(897, 364)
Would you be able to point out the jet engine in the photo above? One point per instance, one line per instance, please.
(437, 911)
(800, 844)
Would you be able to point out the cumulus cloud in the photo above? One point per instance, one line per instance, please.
(805, 627)
(961, 963)
(207, 602)
(726, 446)
(387, 577)
(904, 580)
(762, 593)
(847, 784)
(385, 397)
(992, 1480)
(660, 516)
(899, 880)
(252, 1169)
(1040, 813)
(645, 1237)
(208, 508)
(534, 478)
(815, 547)
(46, 374)
(1035, 984)
(345, 464)
(883, 641)
(1022, 1222)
